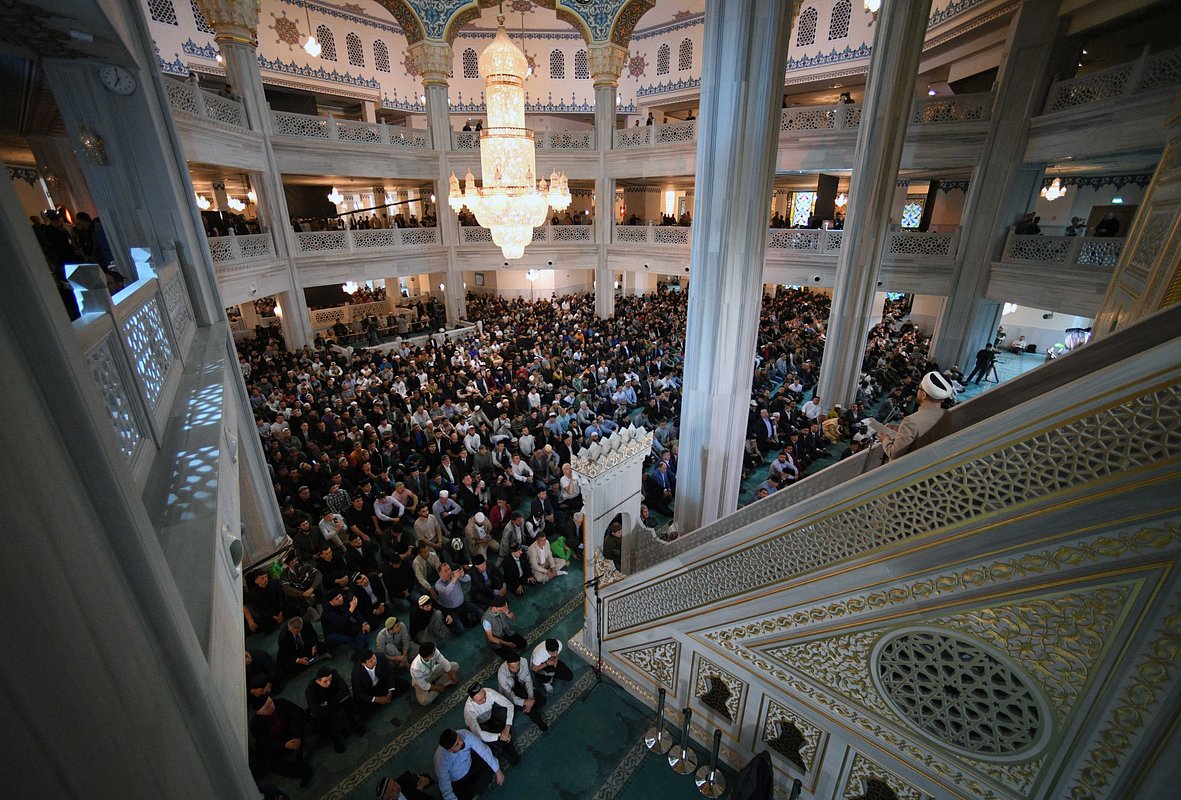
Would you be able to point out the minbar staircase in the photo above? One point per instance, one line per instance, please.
(994, 615)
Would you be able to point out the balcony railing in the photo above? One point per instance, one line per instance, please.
(653, 234)
(652, 135)
(900, 244)
(1147, 72)
(543, 140)
(955, 108)
(818, 118)
(133, 346)
(1083, 251)
(189, 98)
(347, 130)
(241, 249)
(543, 234)
(365, 241)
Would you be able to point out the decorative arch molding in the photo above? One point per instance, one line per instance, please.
(406, 18)
(471, 11)
(626, 20)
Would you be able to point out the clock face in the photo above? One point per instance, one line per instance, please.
(117, 79)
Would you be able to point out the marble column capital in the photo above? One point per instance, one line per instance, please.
(232, 20)
(434, 61)
(606, 63)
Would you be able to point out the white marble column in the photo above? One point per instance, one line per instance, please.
(744, 55)
(606, 64)
(236, 26)
(1001, 187)
(435, 61)
(898, 42)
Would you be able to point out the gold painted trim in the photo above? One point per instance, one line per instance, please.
(920, 543)
(977, 451)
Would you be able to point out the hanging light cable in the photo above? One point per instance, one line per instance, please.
(311, 46)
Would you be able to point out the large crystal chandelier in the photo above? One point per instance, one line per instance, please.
(511, 202)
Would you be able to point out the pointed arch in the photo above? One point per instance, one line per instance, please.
(838, 23)
(327, 42)
(471, 63)
(806, 30)
(356, 53)
(381, 56)
(407, 20)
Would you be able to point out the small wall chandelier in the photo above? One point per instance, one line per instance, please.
(511, 202)
(1054, 190)
(335, 197)
(841, 200)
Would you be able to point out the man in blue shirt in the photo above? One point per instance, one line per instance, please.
(462, 777)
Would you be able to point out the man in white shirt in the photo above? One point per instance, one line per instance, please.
(545, 664)
(812, 409)
(489, 714)
(542, 561)
(431, 674)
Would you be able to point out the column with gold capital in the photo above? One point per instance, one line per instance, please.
(606, 62)
(435, 61)
(235, 25)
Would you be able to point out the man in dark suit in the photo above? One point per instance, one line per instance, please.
(515, 569)
(297, 647)
(487, 582)
(375, 684)
(331, 706)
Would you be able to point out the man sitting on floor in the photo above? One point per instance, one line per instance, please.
(431, 674)
(544, 564)
(375, 683)
(546, 666)
(489, 714)
(462, 777)
(517, 685)
(498, 627)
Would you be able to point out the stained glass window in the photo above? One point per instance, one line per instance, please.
(581, 66)
(685, 57)
(557, 64)
(912, 213)
(663, 58)
(802, 204)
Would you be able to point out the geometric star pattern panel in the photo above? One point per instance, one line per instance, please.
(659, 661)
(865, 770)
(718, 689)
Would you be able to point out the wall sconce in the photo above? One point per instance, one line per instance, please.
(93, 146)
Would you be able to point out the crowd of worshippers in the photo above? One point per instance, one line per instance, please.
(408, 474)
(796, 432)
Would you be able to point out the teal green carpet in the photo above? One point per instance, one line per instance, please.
(592, 749)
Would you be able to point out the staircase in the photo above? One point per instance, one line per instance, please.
(995, 615)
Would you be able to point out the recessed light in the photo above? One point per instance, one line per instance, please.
(1119, 201)
(1084, 51)
(931, 92)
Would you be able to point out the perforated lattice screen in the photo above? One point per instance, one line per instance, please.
(958, 693)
